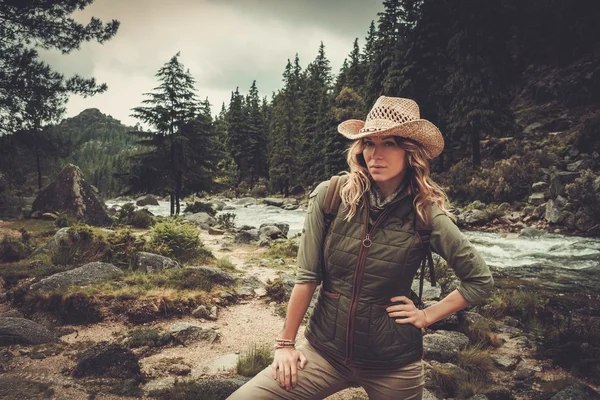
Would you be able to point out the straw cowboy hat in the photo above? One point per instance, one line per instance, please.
(395, 116)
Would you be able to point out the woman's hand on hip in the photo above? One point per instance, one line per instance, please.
(405, 312)
(285, 366)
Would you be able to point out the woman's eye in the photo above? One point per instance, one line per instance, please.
(390, 144)
(368, 144)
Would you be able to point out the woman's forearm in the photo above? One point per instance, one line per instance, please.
(448, 305)
(299, 300)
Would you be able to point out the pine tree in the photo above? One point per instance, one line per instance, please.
(257, 141)
(27, 25)
(316, 122)
(238, 138)
(171, 106)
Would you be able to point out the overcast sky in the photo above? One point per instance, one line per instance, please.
(224, 44)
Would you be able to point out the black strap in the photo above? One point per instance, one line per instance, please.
(427, 260)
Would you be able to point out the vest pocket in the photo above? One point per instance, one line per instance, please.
(387, 339)
(324, 317)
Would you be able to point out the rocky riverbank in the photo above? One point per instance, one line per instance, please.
(191, 341)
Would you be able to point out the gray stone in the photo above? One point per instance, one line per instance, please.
(478, 397)
(429, 292)
(215, 231)
(574, 166)
(539, 211)
(537, 198)
(217, 205)
(477, 205)
(427, 395)
(71, 194)
(270, 232)
(523, 373)
(245, 237)
(148, 200)
(540, 186)
(273, 202)
(443, 346)
(203, 312)
(470, 318)
(15, 330)
(180, 369)
(505, 362)
(532, 128)
(573, 153)
(476, 217)
(213, 274)
(228, 208)
(202, 219)
(108, 360)
(583, 221)
(561, 202)
(246, 227)
(244, 292)
(553, 213)
(577, 391)
(291, 207)
(150, 263)
(504, 207)
(531, 232)
(84, 275)
(53, 244)
(283, 227)
(245, 201)
(186, 333)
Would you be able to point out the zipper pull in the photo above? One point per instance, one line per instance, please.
(367, 242)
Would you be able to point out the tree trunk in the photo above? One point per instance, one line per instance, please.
(475, 148)
(173, 195)
(37, 154)
(178, 193)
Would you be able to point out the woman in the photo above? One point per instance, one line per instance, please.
(365, 330)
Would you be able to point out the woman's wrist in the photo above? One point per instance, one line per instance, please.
(425, 321)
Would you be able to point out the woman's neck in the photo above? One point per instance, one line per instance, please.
(387, 188)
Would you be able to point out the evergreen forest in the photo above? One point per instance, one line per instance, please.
(479, 70)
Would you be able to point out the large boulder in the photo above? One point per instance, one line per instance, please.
(268, 231)
(84, 275)
(108, 360)
(71, 194)
(443, 346)
(577, 391)
(202, 219)
(150, 263)
(537, 198)
(476, 217)
(558, 181)
(53, 244)
(553, 213)
(23, 331)
(213, 274)
(247, 236)
(273, 202)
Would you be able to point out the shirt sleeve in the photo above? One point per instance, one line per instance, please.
(311, 241)
(452, 245)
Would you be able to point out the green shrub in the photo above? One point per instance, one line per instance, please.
(81, 246)
(148, 337)
(276, 290)
(200, 206)
(174, 238)
(476, 362)
(123, 246)
(125, 213)
(286, 248)
(12, 249)
(189, 279)
(586, 139)
(226, 220)
(582, 195)
(63, 220)
(225, 264)
(254, 360)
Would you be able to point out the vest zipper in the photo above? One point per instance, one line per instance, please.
(358, 275)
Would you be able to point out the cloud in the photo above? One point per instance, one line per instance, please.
(224, 43)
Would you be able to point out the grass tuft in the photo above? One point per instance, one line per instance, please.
(254, 360)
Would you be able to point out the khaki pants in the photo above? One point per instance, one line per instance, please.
(321, 378)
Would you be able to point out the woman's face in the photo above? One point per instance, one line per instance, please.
(386, 161)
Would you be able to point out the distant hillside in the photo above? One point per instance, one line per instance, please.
(100, 144)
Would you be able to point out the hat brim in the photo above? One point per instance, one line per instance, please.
(420, 130)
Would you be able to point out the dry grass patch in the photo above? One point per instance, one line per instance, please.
(254, 360)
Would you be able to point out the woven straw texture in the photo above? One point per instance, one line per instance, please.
(395, 116)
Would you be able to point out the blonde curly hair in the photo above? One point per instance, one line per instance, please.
(426, 191)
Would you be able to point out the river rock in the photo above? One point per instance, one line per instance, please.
(505, 362)
(23, 331)
(583, 221)
(523, 373)
(229, 208)
(71, 194)
(218, 205)
(553, 213)
(108, 360)
(84, 275)
(534, 127)
(503, 207)
(539, 211)
(479, 397)
(537, 198)
(270, 232)
(215, 231)
(213, 274)
(475, 217)
(273, 202)
(245, 237)
(245, 201)
(429, 292)
(531, 232)
(540, 186)
(577, 391)
(202, 219)
(148, 200)
(443, 346)
(246, 227)
(150, 263)
(186, 333)
(283, 227)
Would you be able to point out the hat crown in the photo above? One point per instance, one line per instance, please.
(393, 109)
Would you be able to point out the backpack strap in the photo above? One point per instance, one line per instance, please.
(333, 199)
(424, 234)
